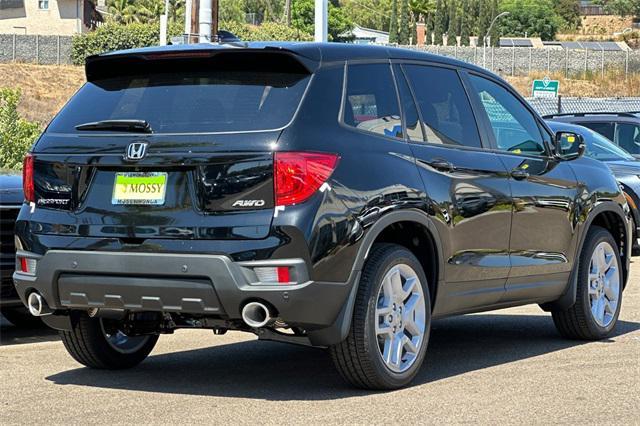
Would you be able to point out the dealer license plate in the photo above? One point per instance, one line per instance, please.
(140, 188)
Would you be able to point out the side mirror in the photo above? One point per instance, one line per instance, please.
(569, 146)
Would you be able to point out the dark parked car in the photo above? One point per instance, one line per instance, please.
(10, 203)
(623, 128)
(624, 166)
(331, 195)
(225, 36)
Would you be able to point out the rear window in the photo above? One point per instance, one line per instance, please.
(190, 101)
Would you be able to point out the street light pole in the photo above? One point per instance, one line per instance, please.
(164, 24)
(487, 37)
(321, 21)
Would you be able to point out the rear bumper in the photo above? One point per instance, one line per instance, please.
(185, 283)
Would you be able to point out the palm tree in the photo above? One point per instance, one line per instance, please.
(150, 10)
(421, 8)
(176, 10)
(123, 11)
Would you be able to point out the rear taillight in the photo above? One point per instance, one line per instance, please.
(299, 174)
(27, 179)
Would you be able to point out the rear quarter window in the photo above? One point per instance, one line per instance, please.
(371, 101)
(605, 129)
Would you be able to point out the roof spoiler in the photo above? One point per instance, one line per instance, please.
(141, 62)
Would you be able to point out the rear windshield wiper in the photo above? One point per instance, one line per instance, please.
(118, 125)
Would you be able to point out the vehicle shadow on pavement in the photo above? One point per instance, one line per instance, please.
(12, 335)
(274, 371)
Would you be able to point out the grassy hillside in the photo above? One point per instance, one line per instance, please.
(46, 88)
(594, 86)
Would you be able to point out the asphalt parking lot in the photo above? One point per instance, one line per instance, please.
(506, 366)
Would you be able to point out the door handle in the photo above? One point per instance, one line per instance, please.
(442, 165)
(519, 174)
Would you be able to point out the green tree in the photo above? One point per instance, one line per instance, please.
(428, 28)
(414, 31)
(265, 10)
(403, 31)
(122, 11)
(369, 13)
(149, 10)
(439, 22)
(569, 12)
(621, 7)
(302, 18)
(535, 18)
(465, 23)
(16, 134)
(452, 29)
(144, 11)
(393, 25)
(421, 8)
(494, 35)
(176, 11)
(484, 20)
(231, 10)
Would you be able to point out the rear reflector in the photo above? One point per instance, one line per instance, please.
(283, 274)
(27, 265)
(299, 174)
(273, 275)
(27, 179)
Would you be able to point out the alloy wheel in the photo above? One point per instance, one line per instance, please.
(400, 318)
(121, 342)
(604, 284)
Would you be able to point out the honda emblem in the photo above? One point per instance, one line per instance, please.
(136, 151)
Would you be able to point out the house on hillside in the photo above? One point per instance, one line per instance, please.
(361, 35)
(48, 17)
(591, 8)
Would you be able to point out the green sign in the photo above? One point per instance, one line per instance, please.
(545, 88)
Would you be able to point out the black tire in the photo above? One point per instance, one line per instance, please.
(635, 246)
(20, 317)
(88, 344)
(578, 322)
(358, 358)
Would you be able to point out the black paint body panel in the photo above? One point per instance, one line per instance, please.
(500, 242)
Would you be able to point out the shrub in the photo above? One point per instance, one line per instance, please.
(114, 36)
(16, 134)
(271, 31)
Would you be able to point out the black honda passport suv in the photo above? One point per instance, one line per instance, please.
(330, 195)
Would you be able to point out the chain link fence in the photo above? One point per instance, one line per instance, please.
(564, 105)
(522, 61)
(573, 63)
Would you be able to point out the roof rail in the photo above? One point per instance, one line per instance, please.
(584, 114)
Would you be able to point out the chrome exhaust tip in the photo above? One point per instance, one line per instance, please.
(37, 305)
(256, 314)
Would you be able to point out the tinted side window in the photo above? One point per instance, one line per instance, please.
(371, 102)
(605, 129)
(628, 137)
(515, 128)
(409, 110)
(444, 106)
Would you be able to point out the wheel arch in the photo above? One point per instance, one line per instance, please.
(610, 216)
(386, 229)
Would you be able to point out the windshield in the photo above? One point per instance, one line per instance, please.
(192, 101)
(603, 149)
